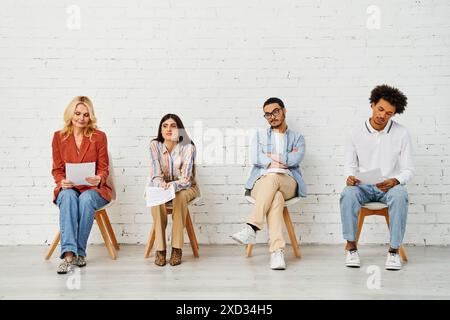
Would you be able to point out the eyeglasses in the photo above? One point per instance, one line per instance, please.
(274, 113)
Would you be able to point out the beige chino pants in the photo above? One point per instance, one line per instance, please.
(270, 191)
(179, 213)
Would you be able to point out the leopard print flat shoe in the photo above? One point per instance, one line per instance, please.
(64, 267)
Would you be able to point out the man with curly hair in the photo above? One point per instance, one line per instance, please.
(381, 143)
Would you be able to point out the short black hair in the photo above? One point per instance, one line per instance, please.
(391, 95)
(274, 100)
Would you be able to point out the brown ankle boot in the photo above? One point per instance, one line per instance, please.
(175, 257)
(160, 258)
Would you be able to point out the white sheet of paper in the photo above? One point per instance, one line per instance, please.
(156, 196)
(78, 172)
(371, 177)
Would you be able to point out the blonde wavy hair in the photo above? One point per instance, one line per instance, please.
(70, 112)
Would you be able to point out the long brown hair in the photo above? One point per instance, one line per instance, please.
(183, 137)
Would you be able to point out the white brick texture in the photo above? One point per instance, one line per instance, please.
(214, 63)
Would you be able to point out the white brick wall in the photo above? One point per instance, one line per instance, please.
(215, 62)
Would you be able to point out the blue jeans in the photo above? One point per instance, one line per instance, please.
(352, 198)
(76, 217)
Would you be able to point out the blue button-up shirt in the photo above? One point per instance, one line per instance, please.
(262, 144)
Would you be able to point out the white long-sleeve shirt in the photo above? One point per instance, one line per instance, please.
(389, 149)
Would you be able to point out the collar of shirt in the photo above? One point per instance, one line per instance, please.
(165, 150)
(386, 129)
(270, 130)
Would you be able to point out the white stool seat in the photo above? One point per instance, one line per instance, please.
(375, 205)
(109, 204)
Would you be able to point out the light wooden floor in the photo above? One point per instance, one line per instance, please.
(222, 272)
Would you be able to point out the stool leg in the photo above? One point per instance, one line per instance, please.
(403, 254)
(291, 232)
(386, 216)
(191, 235)
(361, 217)
(248, 250)
(53, 245)
(151, 241)
(189, 220)
(109, 246)
(109, 228)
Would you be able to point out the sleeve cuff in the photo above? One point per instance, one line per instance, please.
(400, 179)
(102, 181)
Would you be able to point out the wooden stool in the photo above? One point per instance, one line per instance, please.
(189, 228)
(378, 209)
(287, 221)
(102, 221)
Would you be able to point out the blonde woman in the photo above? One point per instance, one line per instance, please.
(79, 141)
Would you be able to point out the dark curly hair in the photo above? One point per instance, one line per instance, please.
(391, 95)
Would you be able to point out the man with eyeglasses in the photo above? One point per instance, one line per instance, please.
(378, 143)
(276, 154)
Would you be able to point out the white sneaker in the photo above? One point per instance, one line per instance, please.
(277, 260)
(352, 259)
(245, 236)
(393, 261)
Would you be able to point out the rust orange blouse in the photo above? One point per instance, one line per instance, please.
(94, 149)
